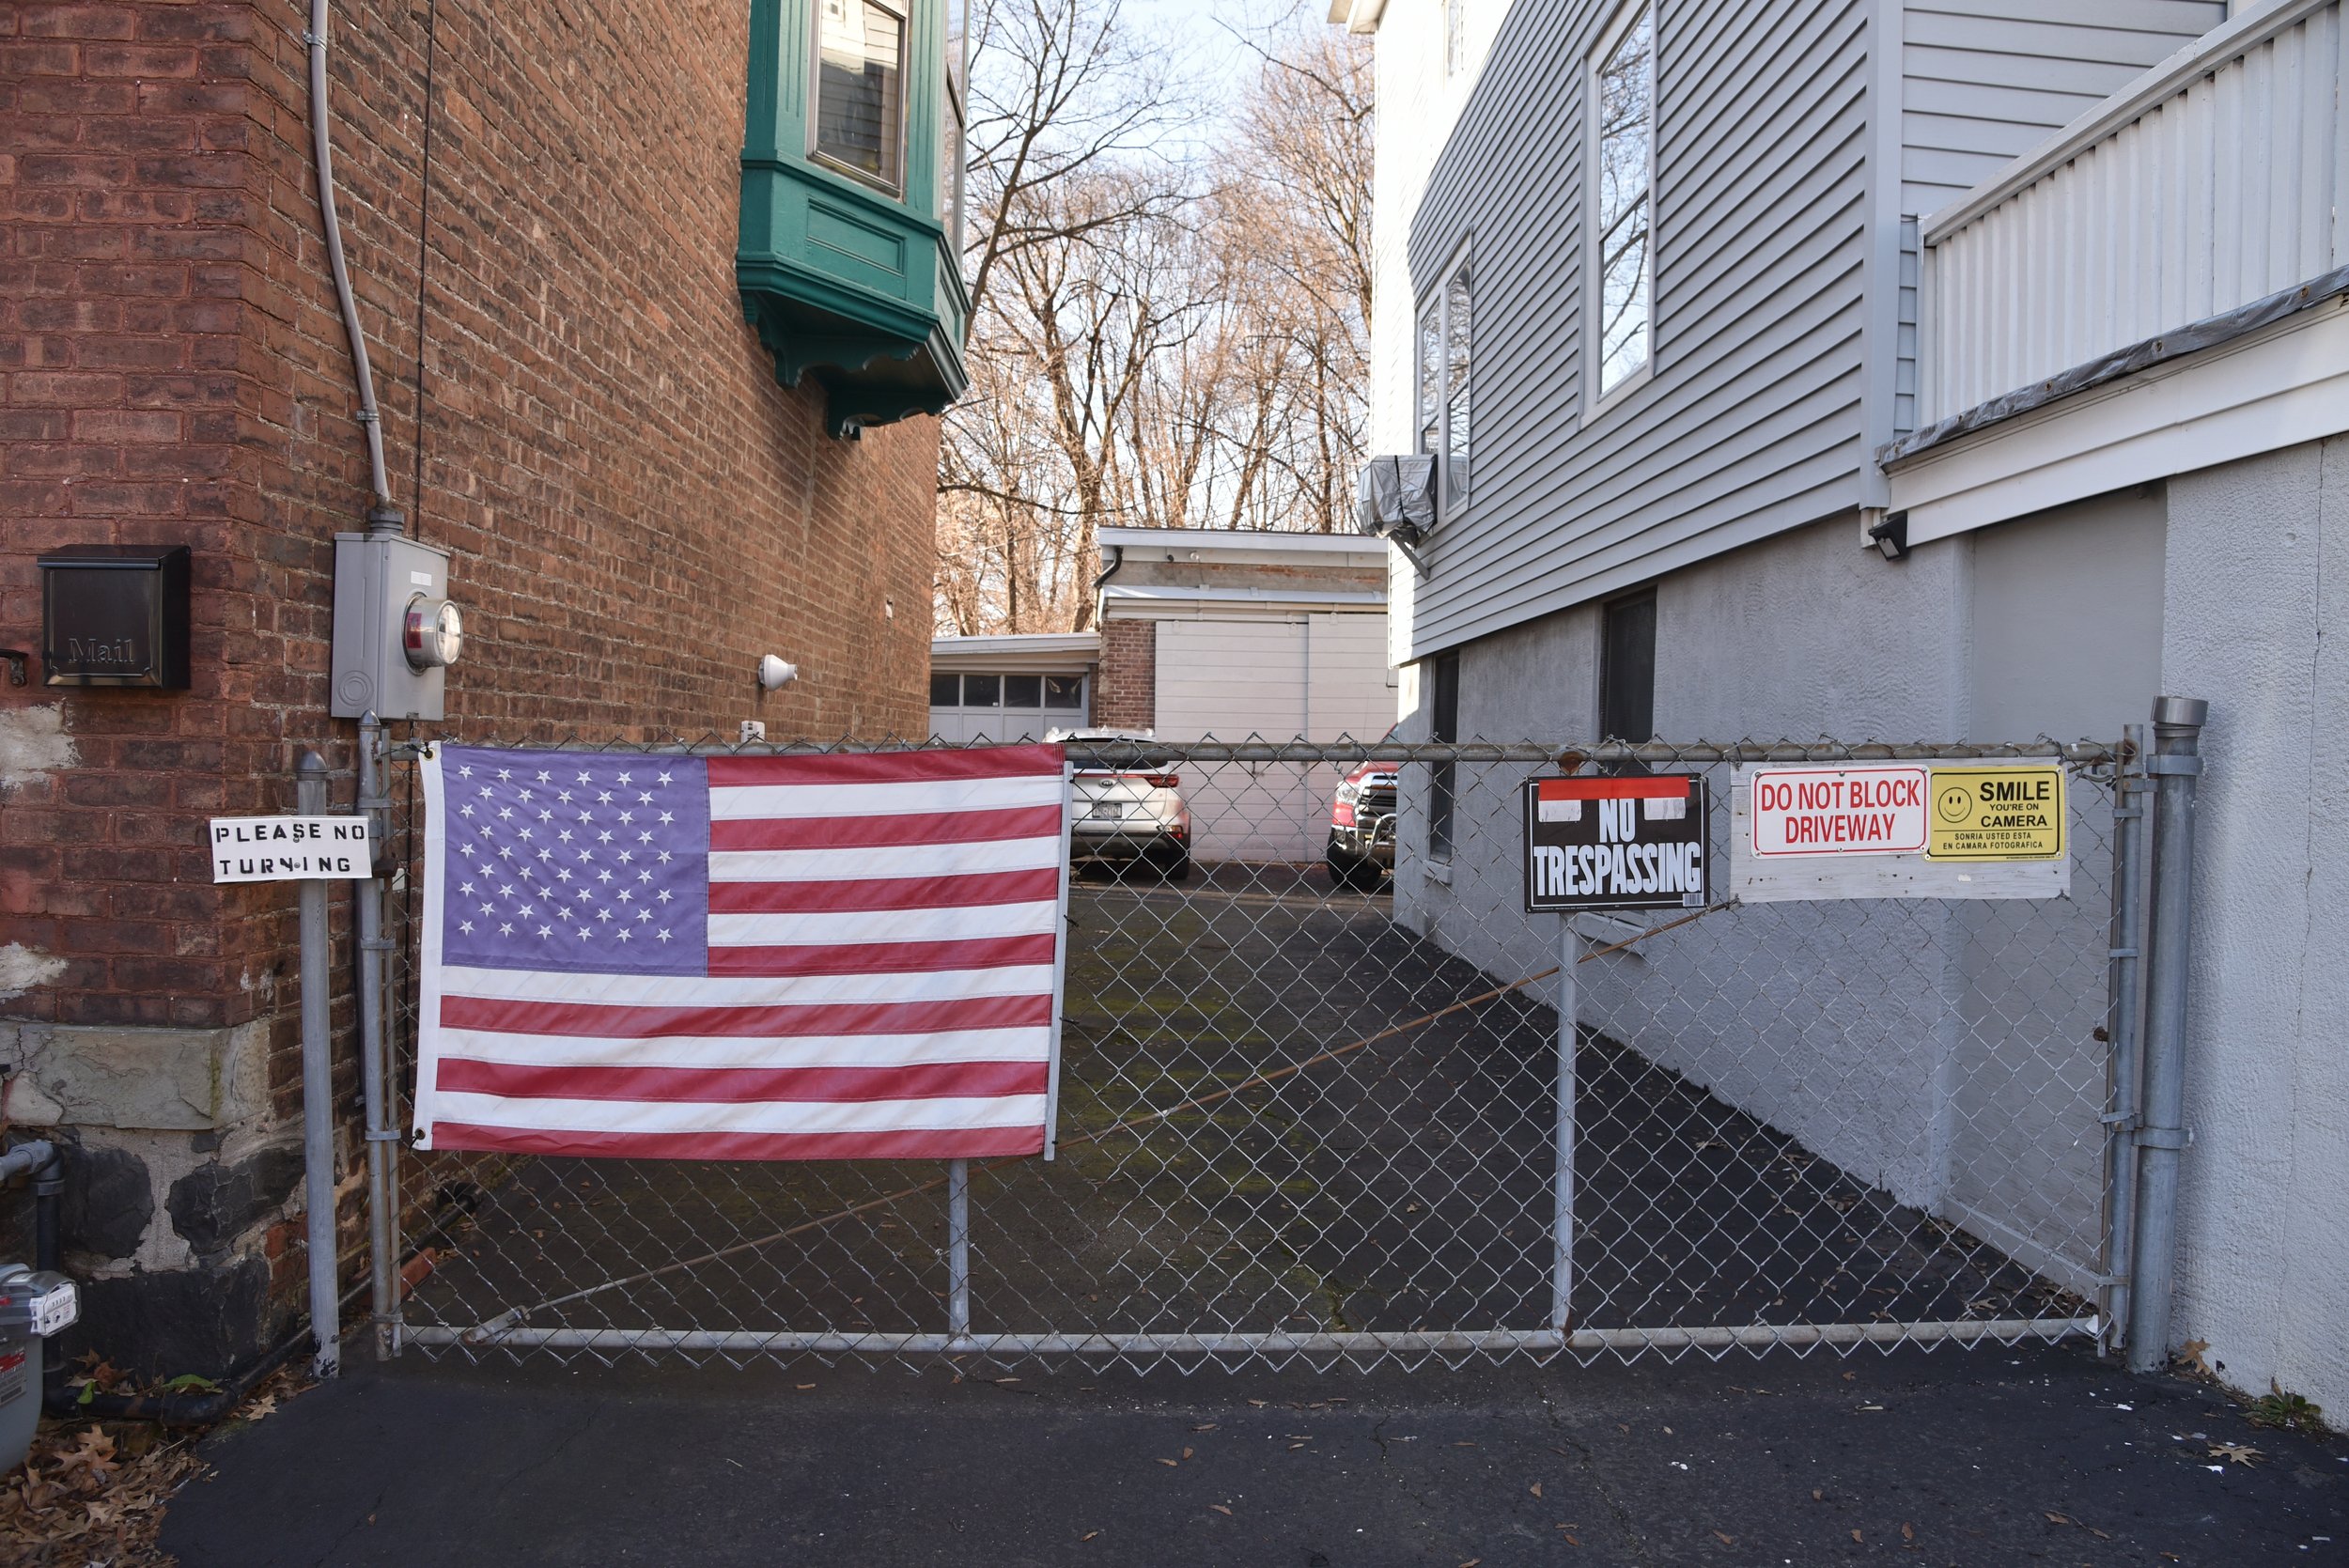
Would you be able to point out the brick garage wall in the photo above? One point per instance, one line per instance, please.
(572, 403)
(1126, 690)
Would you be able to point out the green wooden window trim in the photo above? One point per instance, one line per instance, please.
(846, 283)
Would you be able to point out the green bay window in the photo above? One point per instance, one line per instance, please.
(850, 260)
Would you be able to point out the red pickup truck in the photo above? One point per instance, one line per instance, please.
(1361, 826)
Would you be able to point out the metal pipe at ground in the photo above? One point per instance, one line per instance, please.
(2132, 815)
(2176, 766)
(1756, 1335)
(958, 1249)
(1561, 1189)
(383, 1242)
(318, 1091)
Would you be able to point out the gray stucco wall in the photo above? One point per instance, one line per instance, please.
(2257, 594)
(1943, 1051)
(2068, 619)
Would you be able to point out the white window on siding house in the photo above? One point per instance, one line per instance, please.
(1445, 344)
(1622, 263)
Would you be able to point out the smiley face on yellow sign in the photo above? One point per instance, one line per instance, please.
(1998, 813)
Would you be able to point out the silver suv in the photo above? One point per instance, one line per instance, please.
(1127, 810)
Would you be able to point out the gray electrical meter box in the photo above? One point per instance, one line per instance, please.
(396, 630)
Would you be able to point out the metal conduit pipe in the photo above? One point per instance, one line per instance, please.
(41, 1159)
(2175, 767)
(320, 126)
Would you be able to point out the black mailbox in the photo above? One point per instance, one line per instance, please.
(115, 616)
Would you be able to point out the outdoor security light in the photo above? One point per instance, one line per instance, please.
(1890, 535)
(775, 673)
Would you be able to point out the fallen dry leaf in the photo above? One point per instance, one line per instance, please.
(1170, 1462)
(1572, 1542)
(2191, 1354)
(2061, 1519)
(804, 1387)
(1206, 1426)
(2236, 1453)
(1220, 1509)
(1091, 1533)
(1258, 1403)
(1817, 1495)
(1187, 1453)
(1855, 1535)
(1724, 1539)
(1909, 1533)
(1536, 1487)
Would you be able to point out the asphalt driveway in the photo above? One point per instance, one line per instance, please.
(1983, 1458)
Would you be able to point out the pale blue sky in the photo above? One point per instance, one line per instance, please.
(1200, 32)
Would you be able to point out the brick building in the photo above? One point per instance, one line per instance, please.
(648, 301)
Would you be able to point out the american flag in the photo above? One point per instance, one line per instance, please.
(685, 957)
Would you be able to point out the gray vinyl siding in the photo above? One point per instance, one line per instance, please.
(1752, 420)
(1985, 81)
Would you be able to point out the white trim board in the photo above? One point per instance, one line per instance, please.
(2265, 392)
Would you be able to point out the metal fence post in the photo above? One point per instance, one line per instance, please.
(318, 1091)
(958, 1249)
(2174, 766)
(2124, 1017)
(1562, 1192)
(382, 1200)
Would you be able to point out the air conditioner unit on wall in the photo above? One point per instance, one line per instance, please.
(1395, 502)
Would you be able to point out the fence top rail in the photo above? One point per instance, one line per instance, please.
(1569, 754)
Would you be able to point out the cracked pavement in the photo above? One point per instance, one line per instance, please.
(1989, 1457)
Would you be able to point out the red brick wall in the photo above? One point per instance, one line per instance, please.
(637, 509)
(1126, 692)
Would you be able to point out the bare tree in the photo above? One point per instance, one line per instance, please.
(1149, 346)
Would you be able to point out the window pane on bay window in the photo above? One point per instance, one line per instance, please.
(860, 92)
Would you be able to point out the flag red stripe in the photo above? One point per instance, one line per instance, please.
(587, 1021)
(986, 762)
(974, 891)
(880, 832)
(918, 1143)
(1668, 788)
(976, 953)
(744, 1085)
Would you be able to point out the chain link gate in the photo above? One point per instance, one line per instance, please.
(1306, 1119)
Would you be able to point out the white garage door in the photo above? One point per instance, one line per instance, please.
(1318, 677)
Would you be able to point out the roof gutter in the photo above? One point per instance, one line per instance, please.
(1116, 555)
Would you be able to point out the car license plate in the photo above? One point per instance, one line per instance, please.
(1108, 813)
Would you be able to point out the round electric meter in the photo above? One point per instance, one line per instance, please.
(434, 634)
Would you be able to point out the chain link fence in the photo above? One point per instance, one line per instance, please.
(1309, 1112)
